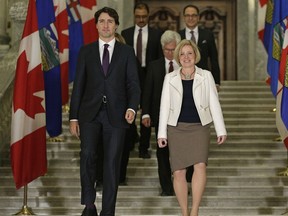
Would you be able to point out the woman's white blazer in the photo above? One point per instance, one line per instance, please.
(205, 97)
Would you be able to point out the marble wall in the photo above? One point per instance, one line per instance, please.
(251, 55)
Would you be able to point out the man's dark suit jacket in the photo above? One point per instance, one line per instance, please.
(120, 85)
(207, 48)
(153, 89)
(154, 50)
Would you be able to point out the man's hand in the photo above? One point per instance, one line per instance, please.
(146, 122)
(129, 116)
(74, 128)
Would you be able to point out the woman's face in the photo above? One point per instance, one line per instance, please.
(187, 56)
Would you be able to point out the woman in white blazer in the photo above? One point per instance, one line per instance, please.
(189, 104)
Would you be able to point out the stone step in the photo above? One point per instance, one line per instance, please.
(248, 101)
(147, 171)
(135, 162)
(245, 83)
(149, 201)
(124, 191)
(272, 179)
(263, 144)
(158, 211)
(249, 94)
(245, 107)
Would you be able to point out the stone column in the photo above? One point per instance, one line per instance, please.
(17, 12)
(4, 38)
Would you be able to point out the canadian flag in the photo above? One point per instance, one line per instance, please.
(28, 130)
(262, 5)
(88, 9)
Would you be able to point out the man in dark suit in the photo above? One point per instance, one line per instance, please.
(205, 41)
(149, 50)
(105, 97)
(151, 103)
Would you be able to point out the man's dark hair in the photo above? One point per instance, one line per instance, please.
(192, 6)
(110, 11)
(141, 5)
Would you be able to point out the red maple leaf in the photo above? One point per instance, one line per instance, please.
(26, 85)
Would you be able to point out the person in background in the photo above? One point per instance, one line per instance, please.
(189, 104)
(104, 101)
(204, 39)
(146, 43)
(151, 103)
(129, 137)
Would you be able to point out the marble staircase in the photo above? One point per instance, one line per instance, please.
(243, 174)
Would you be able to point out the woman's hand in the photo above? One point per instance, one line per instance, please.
(221, 139)
(162, 142)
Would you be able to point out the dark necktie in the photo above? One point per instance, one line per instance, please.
(139, 46)
(193, 37)
(105, 59)
(171, 68)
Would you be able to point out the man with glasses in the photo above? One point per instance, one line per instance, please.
(151, 103)
(204, 39)
(147, 50)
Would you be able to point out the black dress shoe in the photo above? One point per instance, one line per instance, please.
(89, 212)
(144, 155)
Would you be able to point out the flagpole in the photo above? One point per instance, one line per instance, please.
(25, 209)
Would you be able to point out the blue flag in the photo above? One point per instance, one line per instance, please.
(75, 35)
(273, 39)
(51, 66)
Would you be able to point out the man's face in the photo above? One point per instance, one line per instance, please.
(168, 50)
(191, 17)
(106, 26)
(141, 17)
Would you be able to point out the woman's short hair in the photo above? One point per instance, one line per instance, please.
(183, 43)
(168, 36)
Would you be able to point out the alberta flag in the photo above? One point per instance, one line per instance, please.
(276, 44)
(282, 93)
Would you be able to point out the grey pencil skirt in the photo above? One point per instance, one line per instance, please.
(188, 144)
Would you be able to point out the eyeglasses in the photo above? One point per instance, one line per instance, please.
(191, 15)
(169, 50)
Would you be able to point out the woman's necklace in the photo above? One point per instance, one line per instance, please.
(187, 76)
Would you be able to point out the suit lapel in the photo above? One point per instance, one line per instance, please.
(176, 81)
(97, 57)
(115, 56)
(130, 37)
(198, 79)
(162, 68)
